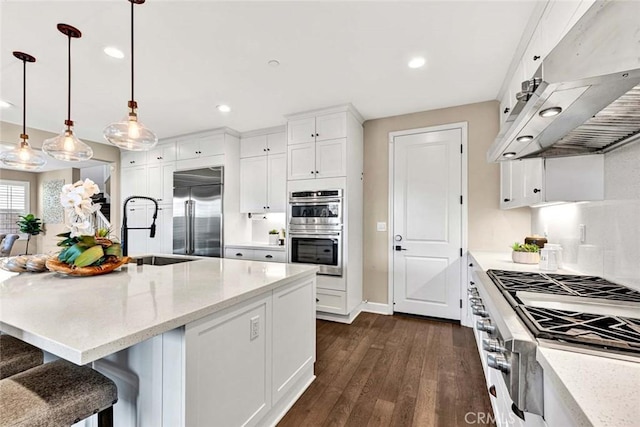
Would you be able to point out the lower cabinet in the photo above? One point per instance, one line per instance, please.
(255, 254)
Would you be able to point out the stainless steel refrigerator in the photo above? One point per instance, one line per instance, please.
(197, 212)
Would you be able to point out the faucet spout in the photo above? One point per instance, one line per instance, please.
(125, 228)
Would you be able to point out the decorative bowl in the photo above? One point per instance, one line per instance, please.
(525, 257)
(70, 270)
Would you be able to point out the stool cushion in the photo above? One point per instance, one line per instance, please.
(54, 394)
(17, 356)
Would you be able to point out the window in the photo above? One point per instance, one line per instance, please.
(14, 201)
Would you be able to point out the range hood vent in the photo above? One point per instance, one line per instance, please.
(593, 75)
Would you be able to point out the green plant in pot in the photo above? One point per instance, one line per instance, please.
(525, 253)
(273, 237)
(31, 226)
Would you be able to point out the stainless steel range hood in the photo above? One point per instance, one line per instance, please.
(593, 75)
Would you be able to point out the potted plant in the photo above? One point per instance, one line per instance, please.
(525, 253)
(31, 226)
(273, 237)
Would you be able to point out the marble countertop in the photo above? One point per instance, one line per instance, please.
(82, 319)
(596, 390)
(256, 245)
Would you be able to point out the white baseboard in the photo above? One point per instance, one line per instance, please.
(377, 307)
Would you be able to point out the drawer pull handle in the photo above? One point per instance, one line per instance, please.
(268, 256)
(317, 300)
(492, 391)
(238, 254)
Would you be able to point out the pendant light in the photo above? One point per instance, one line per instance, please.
(67, 146)
(130, 134)
(23, 156)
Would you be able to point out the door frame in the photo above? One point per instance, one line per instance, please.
(463, 126)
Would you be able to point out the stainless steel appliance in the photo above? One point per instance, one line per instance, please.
(323, 207)
(315, 229)
(591, 80)
(197, 212)
(518, 311)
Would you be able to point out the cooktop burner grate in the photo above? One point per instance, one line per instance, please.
(608, 332)
(561, 284)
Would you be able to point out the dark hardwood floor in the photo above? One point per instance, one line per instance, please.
(393, 371)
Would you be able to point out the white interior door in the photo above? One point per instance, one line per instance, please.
(427, 223)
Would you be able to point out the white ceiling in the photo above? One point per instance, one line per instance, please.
(191, 56)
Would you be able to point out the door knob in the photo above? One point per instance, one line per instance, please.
(398, 238)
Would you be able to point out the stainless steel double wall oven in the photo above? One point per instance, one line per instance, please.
(315, 229)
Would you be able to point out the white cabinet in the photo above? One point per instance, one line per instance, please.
(134, 183)
(323, 159)
(163, 242)
(563, 179)
(238, 253)
(256, 254)
(263, 173)
(319, 128)
(203, 146)
(331, 301)
(160, 178)
(131, 159)
(162, 153)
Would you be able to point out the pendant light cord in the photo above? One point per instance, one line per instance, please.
(132, 54)
(24, 97)
(69, 81)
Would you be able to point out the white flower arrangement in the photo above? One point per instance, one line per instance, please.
(78, 206)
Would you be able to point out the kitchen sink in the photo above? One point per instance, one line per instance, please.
(159, 260)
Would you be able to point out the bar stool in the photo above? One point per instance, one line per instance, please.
(17, 356)
(58, 393)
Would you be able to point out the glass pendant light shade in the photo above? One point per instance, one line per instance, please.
(130, 134)
(67, 147)
(23, 157)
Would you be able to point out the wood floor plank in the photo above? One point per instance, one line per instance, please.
(396, 371)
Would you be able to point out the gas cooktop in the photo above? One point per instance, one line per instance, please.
(599, 328)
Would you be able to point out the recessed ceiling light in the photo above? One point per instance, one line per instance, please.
(550, 112)
(114, 52)
(417, 62)
(5, 104)
(223, 108)
(524, 138)
(273, 63)
(509, 154)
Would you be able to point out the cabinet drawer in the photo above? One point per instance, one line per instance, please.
(270, 256)
(239, 253)
(331, 301)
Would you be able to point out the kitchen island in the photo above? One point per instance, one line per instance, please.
(204, 342)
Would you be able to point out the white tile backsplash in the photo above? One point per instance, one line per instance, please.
(262, 223)
(612, 245)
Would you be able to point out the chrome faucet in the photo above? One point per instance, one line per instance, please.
(125, 228)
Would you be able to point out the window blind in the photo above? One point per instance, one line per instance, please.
(14, 201)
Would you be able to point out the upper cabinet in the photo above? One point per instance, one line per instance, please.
(201, 146)
(324, 144)
(320, 128)
(531, 182)
(263, 171)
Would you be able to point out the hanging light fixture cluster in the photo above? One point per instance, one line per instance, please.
(131, 134)
(128, 134)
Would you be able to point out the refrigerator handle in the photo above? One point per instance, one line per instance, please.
(192, 247)
(187, 222)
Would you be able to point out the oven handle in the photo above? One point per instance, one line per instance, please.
(311, 236)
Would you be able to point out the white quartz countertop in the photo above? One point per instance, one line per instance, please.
(502, 261)
(82, 319)
(256, 245)
(597, 391)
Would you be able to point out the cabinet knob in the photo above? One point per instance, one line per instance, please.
(507, 200)
(312, 172)
(268, 149)
(536, 190)
(506, 110)
(311, 135)
(471, 265)
(268, 207)
(158, 200)
(317, 300)
(317, 172)
(536, 57)
(132, 161)
(264, 149)
(264, 207)
(317, 134)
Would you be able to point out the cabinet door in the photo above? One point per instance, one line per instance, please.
(131, 159)
(533, 55)
(555, 22)
(293, 335)
(167, 183)
(505, 108)
(134, 182)
(154, 175)
(253, 146)
(211, 145)
(302, 161)
(277, 182)
(517, 184)
(331, 158)
(137, 239)
(533, 180)
(505, 185)
(162, 154)
(301, 131)
(253, 184)
(269, 256)
(188, 149)
(164, 229)
(228, 366)
(331, 126)
(155, 156)
(277, 143)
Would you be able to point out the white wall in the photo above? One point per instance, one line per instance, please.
(610, 248)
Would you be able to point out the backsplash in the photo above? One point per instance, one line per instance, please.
(610, 247)
(262, 223)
